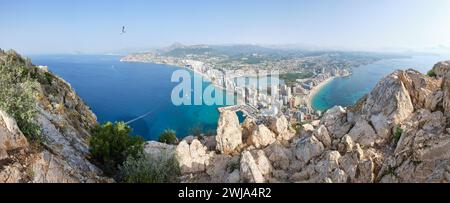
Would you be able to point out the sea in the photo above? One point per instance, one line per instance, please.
(123, 91)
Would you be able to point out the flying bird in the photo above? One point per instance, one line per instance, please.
(123, 30)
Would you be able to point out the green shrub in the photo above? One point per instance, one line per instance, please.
(111, 144)
(148, 168)
(297, 127)
(431, 73)
(169, 136)
(397, 134)
(18, 93)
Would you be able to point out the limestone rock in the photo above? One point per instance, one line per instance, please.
(192, 158)
(389, 100)
(335, 120)
(261, 137)
(229, 132)
(434, 100)
(446, 99)
(326, 165)
(363, 133)
(157, 148)
(262, 162)
(249, 170)
(419, 87)
(322, 135)
(308, 148)
(308, 127)
(442, 68)
(10, 136)
(248, 126)
(347, 144)
(279, 156)
(279, 124)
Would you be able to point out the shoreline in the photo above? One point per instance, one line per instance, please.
(316, 89)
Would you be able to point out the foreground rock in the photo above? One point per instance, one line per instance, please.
(229, 133)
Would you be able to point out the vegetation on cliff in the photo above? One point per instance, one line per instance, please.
(169, 136)
(151, 168)
(19, 80)
(111, 144)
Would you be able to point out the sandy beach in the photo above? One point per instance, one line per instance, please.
(316, 89)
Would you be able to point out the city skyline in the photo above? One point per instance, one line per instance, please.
(95, 27)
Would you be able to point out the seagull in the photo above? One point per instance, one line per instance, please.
(123, 30)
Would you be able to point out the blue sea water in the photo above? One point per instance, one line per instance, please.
(122, 91)
(346, 91)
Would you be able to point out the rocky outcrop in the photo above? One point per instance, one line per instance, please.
(335, 120)
(229, 133)
(64, 122)
(11, 138)
(192, 157)
(261, 137)
(399, 132)
(441, 69)
(446, 92)
(280, 126)
(249, 170)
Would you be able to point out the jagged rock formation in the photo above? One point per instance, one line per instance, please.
(399, 132)
(64, 120)
(229, 132)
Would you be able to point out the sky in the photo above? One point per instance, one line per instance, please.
(94, 26)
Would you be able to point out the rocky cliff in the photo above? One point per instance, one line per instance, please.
(61, 153)
(399, 132)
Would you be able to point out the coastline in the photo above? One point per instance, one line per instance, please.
(316, 89)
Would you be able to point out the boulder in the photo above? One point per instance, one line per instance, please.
(434, 100)
(446, 99)
(363, 133)
(442, 68)
(347, 144)
(279, 124)
(279, 156)
(10, 136)
(389, 101)
(248, 126)
(335, 120)
(308, 148)
(229, 133)
(157, 148)
(261, 137)
(262, 162)
(322, 135)
(419, 86)
(249, 170)
(192, 158)
(327, 164)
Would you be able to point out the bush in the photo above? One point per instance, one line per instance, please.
(431, 73)
(111, 144)
(169, 136)
(148, 168)
(397, 134)
(18, 93)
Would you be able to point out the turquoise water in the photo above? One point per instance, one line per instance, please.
(121, 91)
(348, 90)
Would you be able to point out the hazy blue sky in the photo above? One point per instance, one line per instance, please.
(47, 26)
